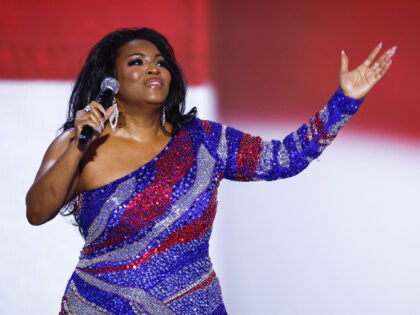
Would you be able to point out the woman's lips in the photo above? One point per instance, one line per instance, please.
(154, 83)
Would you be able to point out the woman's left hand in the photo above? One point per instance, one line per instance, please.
(360, 81)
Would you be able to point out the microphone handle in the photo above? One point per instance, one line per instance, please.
(105, 99)
(86, 134)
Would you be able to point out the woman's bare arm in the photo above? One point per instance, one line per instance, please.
(57, 179)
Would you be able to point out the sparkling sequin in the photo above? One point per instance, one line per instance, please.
(121, 194)
(265, 159)
(147, 233)
(247, 157)
(339, 124)
(76, 304)
(222, 150)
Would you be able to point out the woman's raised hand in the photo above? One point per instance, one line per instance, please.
(358, 82)
(93, 115)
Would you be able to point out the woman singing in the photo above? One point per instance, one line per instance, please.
(144, 187)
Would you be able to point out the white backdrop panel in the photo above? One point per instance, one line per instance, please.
(340, 238)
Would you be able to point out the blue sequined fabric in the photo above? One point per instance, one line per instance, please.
(147, 234)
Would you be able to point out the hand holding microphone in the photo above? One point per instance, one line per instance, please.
(109, 88)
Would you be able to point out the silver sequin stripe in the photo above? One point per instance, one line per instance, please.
(297, 142)
(205, 167)
(76, 304)
(324, 114)
(339, 124)
(222, 149)
(150, 303)
(121, 194)
(266, 156)
(137, 309)
(186, 289)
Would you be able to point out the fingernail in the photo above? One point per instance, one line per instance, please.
(394, 49)
(389, 62)
(342, 52)
(380, 44)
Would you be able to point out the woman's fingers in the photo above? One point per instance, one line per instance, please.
(382, 69)
(109, 111)
(344, 62)
(93, 117)
(89, 119)
(97, 116)
(372, 55)
(385, 57)
(98, 106)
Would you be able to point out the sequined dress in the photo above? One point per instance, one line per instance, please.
(147, 233)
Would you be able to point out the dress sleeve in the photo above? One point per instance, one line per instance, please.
(248, 158)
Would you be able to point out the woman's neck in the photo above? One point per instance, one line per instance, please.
(141, 123)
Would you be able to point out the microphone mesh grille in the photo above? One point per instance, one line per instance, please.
(111, 83)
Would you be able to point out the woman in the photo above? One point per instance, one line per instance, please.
(145, 185)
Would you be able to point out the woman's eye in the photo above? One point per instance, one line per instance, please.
(137, 62)
(162, 63)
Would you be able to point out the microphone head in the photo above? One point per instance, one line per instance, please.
(110, 83)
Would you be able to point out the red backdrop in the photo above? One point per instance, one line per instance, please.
(268, 60)
(274, 59)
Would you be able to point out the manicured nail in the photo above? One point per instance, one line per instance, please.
(342, 52)
(394, 49)
(380, 44)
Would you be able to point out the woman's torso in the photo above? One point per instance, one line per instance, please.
(147, 235)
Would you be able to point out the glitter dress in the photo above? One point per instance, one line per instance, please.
(147, 233)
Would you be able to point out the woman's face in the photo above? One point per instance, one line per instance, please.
(142, 73)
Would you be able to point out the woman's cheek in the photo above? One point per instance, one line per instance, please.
(135, 75)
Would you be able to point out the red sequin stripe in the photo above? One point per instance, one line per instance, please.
(77, 203)
(325, 139)
(316, 127)
(64, 310)
(206, 126)
(248, 156)
(201, 286)
(191, 231)
(152, 202)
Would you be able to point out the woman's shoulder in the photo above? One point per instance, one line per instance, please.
(205, 131)
(203, 125)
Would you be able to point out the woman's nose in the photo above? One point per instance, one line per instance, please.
(153, 69)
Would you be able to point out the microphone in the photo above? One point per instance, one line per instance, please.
(109, 88)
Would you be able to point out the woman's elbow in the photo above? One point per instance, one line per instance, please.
(33, 212)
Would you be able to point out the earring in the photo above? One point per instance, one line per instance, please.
(113, 120)
(162, 116)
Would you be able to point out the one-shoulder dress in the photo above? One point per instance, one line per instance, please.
(147, 234)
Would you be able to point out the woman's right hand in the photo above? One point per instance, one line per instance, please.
(95, 117)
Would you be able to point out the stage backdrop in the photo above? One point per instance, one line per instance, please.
(340, 238)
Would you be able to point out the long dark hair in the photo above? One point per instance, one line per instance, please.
(101, 64)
